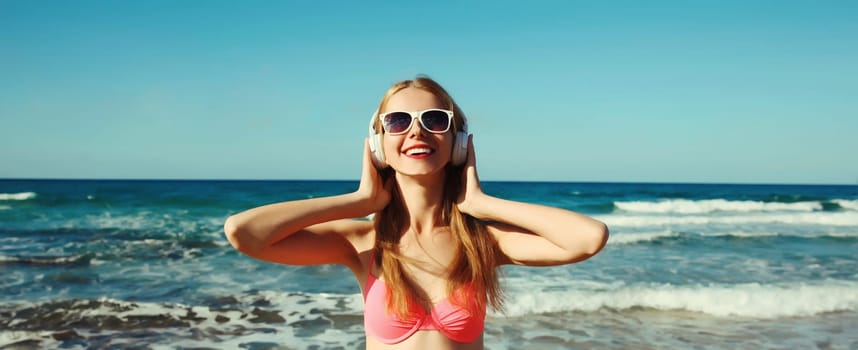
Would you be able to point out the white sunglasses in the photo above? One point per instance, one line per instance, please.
(435, 120)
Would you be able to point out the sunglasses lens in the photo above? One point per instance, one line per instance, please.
(436, 121)
(396, 122)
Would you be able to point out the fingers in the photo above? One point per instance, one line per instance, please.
(368, 157)
(368, 167)
(370, 171)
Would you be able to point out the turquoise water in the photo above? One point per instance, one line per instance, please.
(95, 264)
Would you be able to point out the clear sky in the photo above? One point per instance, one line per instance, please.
(629, 91)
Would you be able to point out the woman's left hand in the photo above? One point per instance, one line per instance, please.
(472, 193)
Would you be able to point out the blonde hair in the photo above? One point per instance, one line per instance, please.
(477, 259)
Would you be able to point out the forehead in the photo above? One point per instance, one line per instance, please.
(412, 99)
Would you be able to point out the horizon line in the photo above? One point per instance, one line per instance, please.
(484, 181)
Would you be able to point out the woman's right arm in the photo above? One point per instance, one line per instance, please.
(309, 231)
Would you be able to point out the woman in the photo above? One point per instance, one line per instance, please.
(427, 262)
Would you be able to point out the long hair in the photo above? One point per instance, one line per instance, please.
(476, 261)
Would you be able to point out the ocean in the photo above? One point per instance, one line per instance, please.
(98, 264)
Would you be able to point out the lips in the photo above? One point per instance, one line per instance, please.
(419, 151)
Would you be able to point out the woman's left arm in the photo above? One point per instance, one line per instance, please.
(531, 234)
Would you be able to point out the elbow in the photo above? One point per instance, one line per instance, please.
(599, 239)
(234, 231)
(595, 241)
(590, 244)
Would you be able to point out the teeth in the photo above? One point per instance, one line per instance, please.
(419, 150)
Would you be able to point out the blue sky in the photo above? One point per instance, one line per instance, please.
(629, 91)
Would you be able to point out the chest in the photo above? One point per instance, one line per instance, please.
(427, 262)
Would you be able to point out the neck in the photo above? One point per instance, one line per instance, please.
(422, 197)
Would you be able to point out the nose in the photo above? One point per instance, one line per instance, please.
(416, 129)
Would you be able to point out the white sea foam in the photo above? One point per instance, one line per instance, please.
(43, 260)
(146, 220)
(294, 308)
(685, 206)
(816, 218)
(329, 339)
(283, 303)
(46, 341)
(847, 204)
(17, 196)
(632, 238)
(745, 234)
(303, 303)
(745, 300)
(643, 237)
(843, 234)
(107, 219)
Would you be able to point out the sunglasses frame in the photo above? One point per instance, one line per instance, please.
(419, 116)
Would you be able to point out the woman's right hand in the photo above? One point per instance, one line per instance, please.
(373, 191)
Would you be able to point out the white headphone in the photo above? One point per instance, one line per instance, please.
(460, 144)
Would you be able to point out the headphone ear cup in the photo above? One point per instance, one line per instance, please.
(375, 149)
(460, 149)
(377, 152)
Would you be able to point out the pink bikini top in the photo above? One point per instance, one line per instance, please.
(456, 322)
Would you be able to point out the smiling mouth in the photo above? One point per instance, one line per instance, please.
(419, 152)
